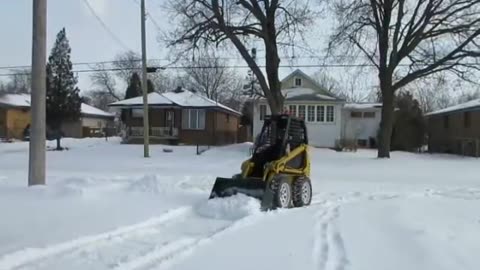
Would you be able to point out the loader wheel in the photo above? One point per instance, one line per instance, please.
(302, 192)
(283, 193)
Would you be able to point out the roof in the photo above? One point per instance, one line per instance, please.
(90, 110)
(324, 94)
(15, 100)
(183, 98)
(153, 99)
(293, 94)
(362, 106)
(23, 101)
(470, 105)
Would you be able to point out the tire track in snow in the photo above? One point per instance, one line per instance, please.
(26, 257)
(328, 247)
(171, 253)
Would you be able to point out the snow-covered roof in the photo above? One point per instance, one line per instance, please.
(90, 110)
(187, 98)
(305, 94)
(362, 106)
(473, 104)
(153, 99)
(15, 100)
(23, 101)
(183, 98)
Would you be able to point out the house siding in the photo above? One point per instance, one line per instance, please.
(306, 83)
(217, 130)
(361, 128)
(3, 123)
(16, 121)
(320, 134)
(448, 140)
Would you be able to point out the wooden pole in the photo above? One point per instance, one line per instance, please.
(36, 162)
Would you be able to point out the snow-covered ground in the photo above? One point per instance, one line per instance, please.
(106, 207)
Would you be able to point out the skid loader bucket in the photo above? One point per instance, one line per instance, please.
(252, 187)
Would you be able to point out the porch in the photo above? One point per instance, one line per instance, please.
(164, 135)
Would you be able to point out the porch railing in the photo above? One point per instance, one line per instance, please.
(162, 132)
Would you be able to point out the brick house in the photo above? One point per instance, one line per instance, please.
(455, 129)
(180, 117)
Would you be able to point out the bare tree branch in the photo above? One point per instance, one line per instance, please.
(213, 22)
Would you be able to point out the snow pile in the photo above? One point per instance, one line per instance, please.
(229, 208)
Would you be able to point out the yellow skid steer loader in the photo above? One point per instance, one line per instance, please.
(278, 172)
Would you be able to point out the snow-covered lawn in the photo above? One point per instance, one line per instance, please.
(106, 207)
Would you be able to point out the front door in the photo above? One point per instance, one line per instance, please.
(170, 121)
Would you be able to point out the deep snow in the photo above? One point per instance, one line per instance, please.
(106, 207)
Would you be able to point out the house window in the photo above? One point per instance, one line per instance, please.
(293, 110)
(320, 114)
(311, 114)
(301, 111)
(356, 114)
(298, 82)
(263, 112)
(137, 113)
(330, 114)
(228, 118)
(467, 119)
(193, 119)
(369, 115)
(446, 121)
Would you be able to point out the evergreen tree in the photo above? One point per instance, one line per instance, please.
(150, 86)
(63, 99)
(409, 127)
(134, 88)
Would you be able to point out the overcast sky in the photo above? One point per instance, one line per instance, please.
(90, 42)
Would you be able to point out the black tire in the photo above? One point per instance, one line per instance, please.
(302, 192)
(283, 193)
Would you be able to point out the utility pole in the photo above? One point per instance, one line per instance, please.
(146, 125)
(36, 162)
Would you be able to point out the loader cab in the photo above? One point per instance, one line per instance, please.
(280, 134)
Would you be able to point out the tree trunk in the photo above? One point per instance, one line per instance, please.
(386, 124)
(59, 147)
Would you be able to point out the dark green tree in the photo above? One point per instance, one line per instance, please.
(63, 102)
(150, 86)
(409, 126)
(134, 89)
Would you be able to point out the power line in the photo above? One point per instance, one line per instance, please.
(154, 22)
(112, 34)
(164, 59)
(234, 67)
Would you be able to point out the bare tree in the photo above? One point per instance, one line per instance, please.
(126, 64)
(406, 40)
(208, 74)
(19, 82)
(346, 86)
(104, 82)
(433, 93)
(275, 23)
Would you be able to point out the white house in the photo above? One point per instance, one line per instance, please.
(361, 122)
(306, 99)
(328, 118)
